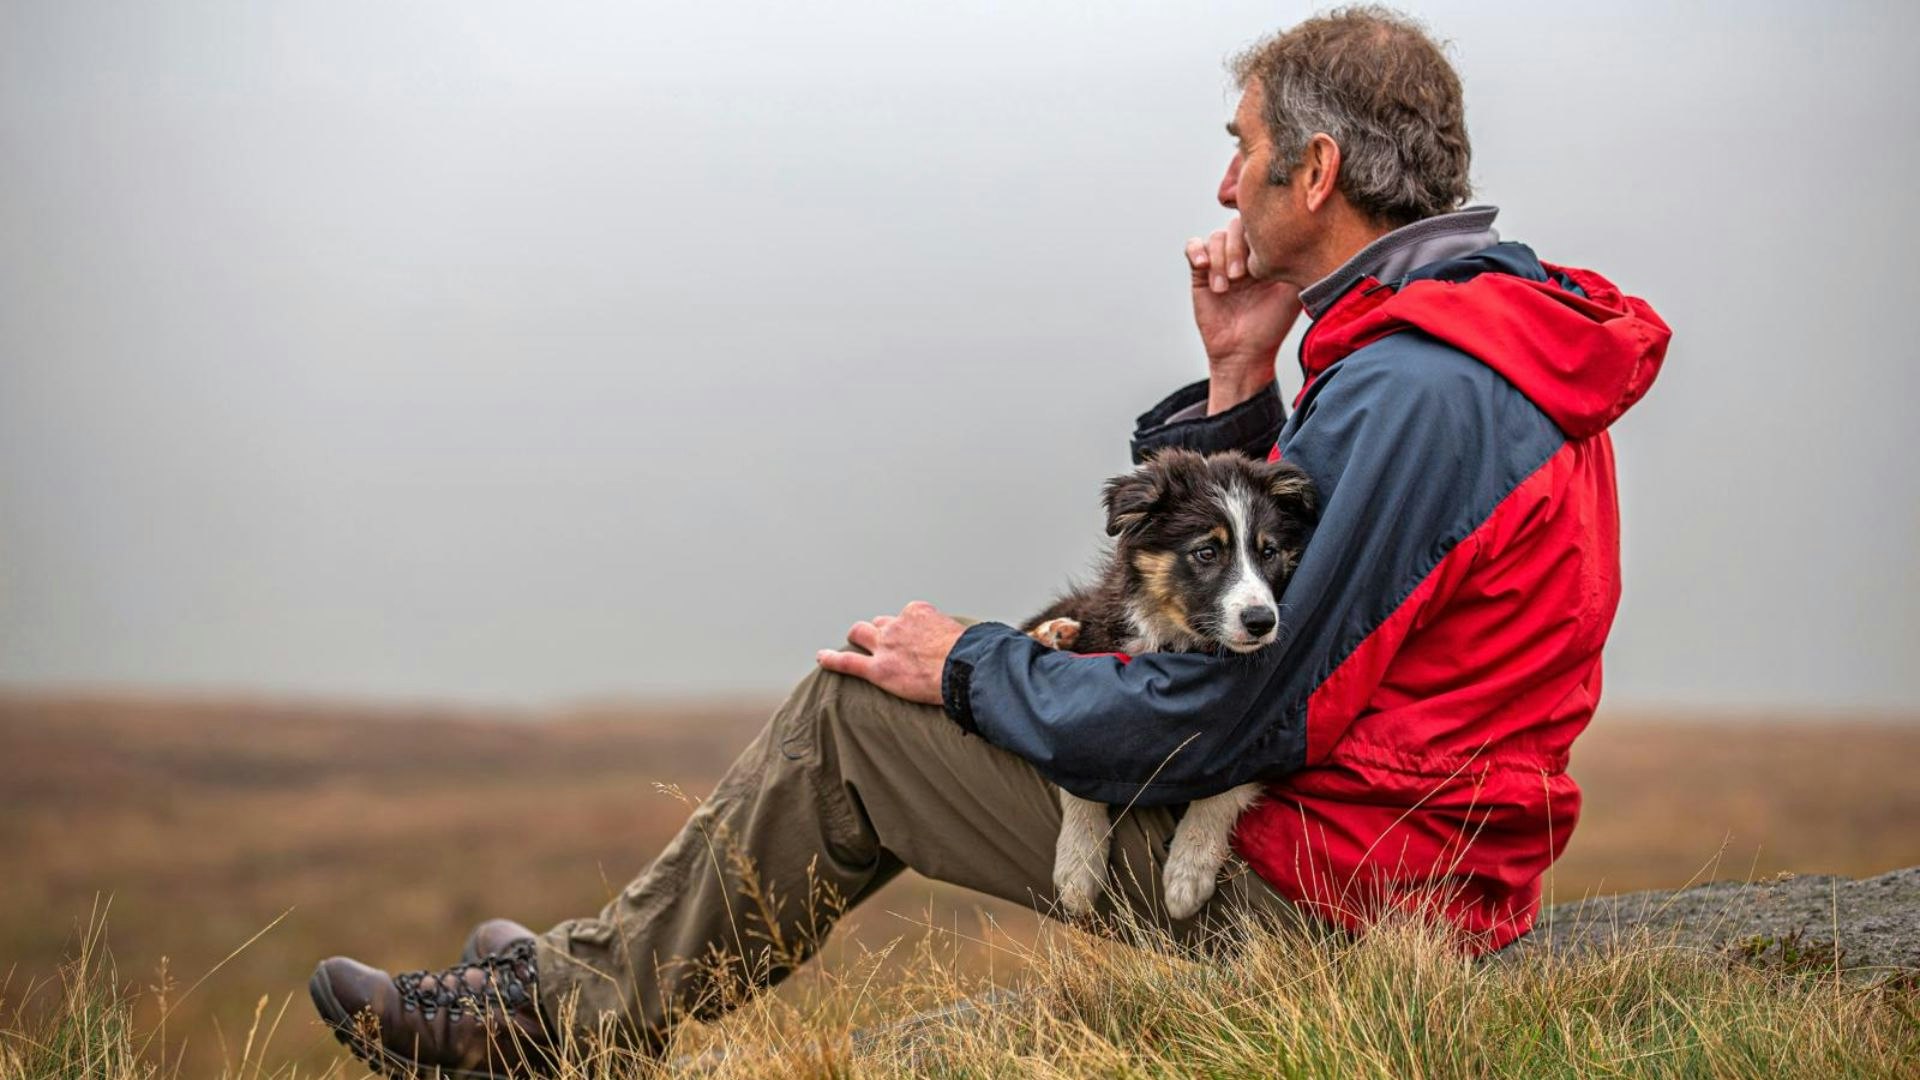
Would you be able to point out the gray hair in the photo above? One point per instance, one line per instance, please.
(1373, 81)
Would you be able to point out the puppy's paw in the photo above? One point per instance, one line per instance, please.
(1058, 633)
(1077, 885)
(1189, 881)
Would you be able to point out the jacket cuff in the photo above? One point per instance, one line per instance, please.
(956, 678)
(1250, 427)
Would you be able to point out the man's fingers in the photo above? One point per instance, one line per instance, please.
(1217, 260)
(1197, 262)
(858, 665)
(864, 634)
(880, 621)
(1236, 249)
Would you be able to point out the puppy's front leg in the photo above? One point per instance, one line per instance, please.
(1058, 633)
(1080, 856)
(1200, 848)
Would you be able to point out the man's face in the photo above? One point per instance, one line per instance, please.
(1275, 224)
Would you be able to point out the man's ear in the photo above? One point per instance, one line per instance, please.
(1322, 159)
(1130, 497)
(1292, 488)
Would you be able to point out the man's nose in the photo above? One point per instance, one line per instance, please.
(1229, 193)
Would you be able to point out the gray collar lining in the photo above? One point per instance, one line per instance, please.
(1393, 256)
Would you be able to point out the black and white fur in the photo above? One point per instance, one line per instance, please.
(1203, 546)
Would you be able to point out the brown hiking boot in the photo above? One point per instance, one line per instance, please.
(472, 1021)
(492, 936)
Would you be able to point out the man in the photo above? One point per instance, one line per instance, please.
(1443, 628)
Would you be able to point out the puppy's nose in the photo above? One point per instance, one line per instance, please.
(1259, 620)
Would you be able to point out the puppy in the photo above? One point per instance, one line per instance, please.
(1203, 546)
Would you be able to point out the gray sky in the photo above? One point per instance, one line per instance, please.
(527, 352)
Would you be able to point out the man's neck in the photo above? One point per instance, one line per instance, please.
(1349, 235)
(1391, 255)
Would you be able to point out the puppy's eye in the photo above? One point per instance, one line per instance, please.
(1269, 553)
(1204, 555)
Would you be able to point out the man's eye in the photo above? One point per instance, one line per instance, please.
(1204, 555)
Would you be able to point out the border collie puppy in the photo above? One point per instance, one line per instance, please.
(1203, 546)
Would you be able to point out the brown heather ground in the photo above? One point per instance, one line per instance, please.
(385, 833)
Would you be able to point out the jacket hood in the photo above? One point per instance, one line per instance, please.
(1569, 339)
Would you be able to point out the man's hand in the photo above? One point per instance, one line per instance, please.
(909, 651)
(1242, 320)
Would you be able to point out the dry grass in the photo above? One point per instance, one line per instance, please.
(1401, 1003)
(385, 834)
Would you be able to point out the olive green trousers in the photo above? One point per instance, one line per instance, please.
(846, 786)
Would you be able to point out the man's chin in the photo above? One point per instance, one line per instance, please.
(1266, 275)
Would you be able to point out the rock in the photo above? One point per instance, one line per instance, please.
(1872, 924)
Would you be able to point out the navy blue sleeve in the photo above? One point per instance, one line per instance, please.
(1411, 445)
(1181, 420)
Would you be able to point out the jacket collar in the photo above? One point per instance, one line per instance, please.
(1398, 253)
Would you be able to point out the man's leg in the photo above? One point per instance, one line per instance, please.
(846, 786)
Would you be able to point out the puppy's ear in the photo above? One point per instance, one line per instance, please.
(1130, 497)
(1292, 488)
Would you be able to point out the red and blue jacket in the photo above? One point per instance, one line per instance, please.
(1441, 636)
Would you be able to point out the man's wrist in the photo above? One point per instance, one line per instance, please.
(1230, 384)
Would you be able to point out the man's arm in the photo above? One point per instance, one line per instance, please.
(1237, 407)
(1242, 323)
(1171, 728)
(1404, 442)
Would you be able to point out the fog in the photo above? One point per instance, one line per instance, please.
(515, 353)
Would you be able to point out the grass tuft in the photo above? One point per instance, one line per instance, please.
(1402, 1002)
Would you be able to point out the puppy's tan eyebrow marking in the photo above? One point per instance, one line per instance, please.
(1219, 534)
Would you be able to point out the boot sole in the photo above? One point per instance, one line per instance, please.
(378, 1058)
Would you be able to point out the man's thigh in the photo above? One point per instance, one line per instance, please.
(957, 809)
(945, 803)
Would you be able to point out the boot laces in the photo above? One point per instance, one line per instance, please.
(505, 978)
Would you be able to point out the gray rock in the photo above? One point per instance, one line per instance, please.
(1870, 926)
